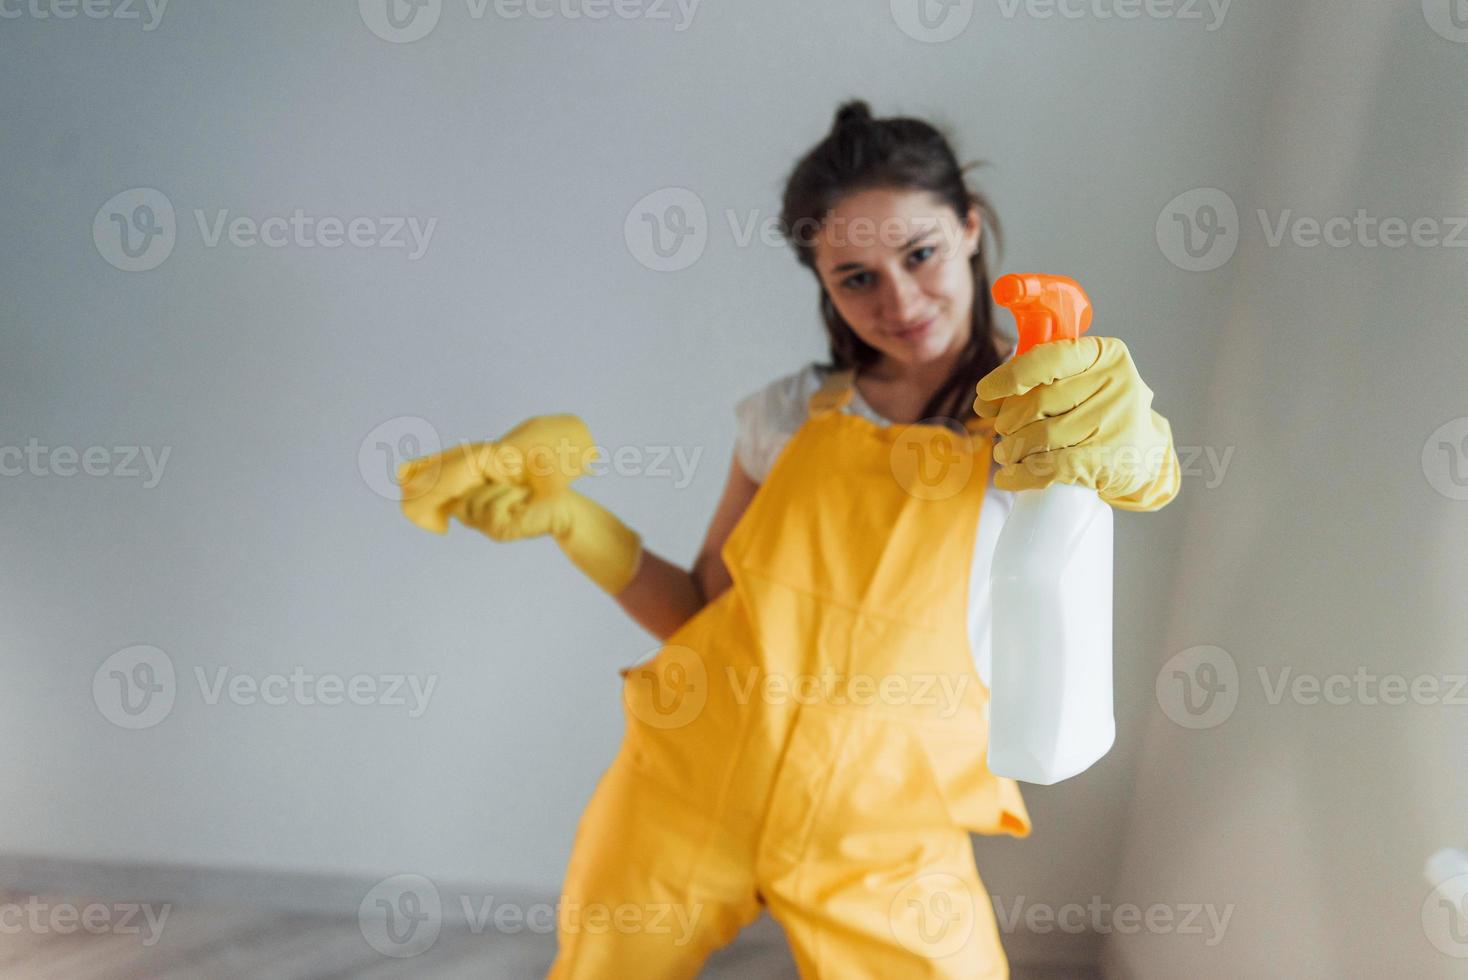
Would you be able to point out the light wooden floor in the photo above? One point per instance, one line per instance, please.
(199, 943)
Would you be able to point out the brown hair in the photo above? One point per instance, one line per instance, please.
(861, 153)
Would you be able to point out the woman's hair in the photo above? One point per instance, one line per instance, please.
(861, 153)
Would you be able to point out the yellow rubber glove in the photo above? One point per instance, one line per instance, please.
(599, 544)
(1076, 411)
(544, 453)
(518, 486)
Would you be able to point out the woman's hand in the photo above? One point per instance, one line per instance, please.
(510, 512)
(595, 540)
(1077, 411)
(543, 453)
(518, 487)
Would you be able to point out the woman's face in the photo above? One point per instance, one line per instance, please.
(896, 265)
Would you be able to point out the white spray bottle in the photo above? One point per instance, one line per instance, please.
(1050, 709)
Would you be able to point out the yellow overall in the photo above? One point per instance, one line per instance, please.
(814, 739)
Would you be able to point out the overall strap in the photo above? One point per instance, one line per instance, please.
(834, 393)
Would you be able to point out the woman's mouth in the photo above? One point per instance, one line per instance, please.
(917, 332)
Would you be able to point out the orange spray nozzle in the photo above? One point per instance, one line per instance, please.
(1045, 307)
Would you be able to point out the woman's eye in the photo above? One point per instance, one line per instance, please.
(860, 280)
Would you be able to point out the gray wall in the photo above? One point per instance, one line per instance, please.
(1333, 549)
(271, 376)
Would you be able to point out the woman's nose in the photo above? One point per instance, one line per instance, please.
(902, 300)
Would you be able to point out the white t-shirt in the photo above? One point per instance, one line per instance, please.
(769, 417)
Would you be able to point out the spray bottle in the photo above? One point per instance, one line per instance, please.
(1050, 714)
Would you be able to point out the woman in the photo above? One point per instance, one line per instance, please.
(811, 738)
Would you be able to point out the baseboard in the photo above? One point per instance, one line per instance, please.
(204, 886)
(339, 896)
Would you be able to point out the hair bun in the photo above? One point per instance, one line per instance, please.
(855, 111)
